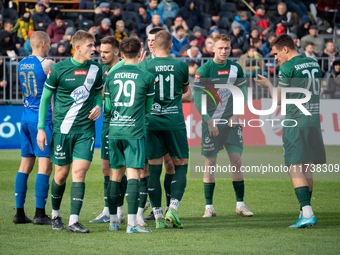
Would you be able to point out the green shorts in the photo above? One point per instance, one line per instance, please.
(129, 153)
(161, 142)
(301, 145)
(104, 143)
(67, 147)
(228, 137)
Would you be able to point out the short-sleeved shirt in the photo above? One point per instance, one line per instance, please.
(107, 116)
(302, 72)
(75, 85)
(219, 100)
(128, 88)
(171, 75)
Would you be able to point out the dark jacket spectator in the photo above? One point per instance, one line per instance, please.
(4, 79)
(319, 42)
(152, 9)
(144, 21)
(281, 18)
(191, 14)
(104, 13)
(104, 29)
(329, 52)
(192, 43)
(57, 29)
(87, 5)
(117, 15)
(260, 21)
(40, 19)
(211, 9)
(331, 82)
(238, 41)
(5, 45)
(52, 10)
(178, 40)
(303, 28)
(61, 52)
(327, 9)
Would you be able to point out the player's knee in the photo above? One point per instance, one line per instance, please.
(237, 162)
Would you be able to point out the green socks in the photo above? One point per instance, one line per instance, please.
(303, 195)
(239, 190)
(122, 190)
(209, 192)
(143, 191)
(57, 192)
(77, 196)
(132, 196)
(106, 182)
(113, 196)
(167, 187)
(155, 189)
(179, 182)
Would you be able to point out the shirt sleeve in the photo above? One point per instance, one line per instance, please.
(107, 102)
(284, 78)
(241, 79)
(99, 83)
(186, 74)
(52, 79)
(151, 86)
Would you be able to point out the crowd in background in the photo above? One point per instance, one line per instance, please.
(193, 25)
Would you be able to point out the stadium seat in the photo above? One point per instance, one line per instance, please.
(132, 7)
(85, 24)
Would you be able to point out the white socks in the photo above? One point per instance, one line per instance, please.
(132, 220)
(120, 209)
(157, 211)
(174, 203)
(140, 212)
(307, 211)
(239, 204)
(55, 213)
(114, 218)
(209, 207)
(106, 211)
(73, 219)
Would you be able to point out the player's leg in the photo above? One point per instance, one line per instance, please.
(209, 185)
(120, 205)
(25, 169)
(143, 194)
(177, 145)
(104, 216)
(43, 177)
(169, 174)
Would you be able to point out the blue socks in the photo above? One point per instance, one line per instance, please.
(41, 190)
(20, 189)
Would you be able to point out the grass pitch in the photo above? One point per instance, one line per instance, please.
(271, 199)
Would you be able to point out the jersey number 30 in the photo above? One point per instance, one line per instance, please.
(27, 84)
(127, 94)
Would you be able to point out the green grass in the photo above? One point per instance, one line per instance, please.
(271, 199)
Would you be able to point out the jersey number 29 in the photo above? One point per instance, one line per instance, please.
(127, 94)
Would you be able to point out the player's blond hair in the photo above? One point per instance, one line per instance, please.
(37, 38)
(163, 40)
(80, 37)
(221, 37)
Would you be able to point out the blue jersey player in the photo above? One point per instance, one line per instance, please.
(33, 71)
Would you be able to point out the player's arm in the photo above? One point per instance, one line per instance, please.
(263, 82)
(47, 64)
(186, 93)
(98, 101)
(186, 96)
(150, 94)
(107, 100)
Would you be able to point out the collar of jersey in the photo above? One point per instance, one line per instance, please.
(221, 65)
(77, 63)
(130, 64)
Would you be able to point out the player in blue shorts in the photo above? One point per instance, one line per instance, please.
(33, 71)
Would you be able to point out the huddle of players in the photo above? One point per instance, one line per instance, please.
(144, 106)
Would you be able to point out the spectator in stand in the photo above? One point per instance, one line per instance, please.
(23, 26)
(27, 45)
(153, 9)
(329, 52)
(238, 41)
(40, 18)
(208, 51)
(6, 47)
(296, 41)
(326, 10)
(192, 53)
(191, 14)
(104, 12)
(303, 27)
(169, 10)
(198, 34)
(250, 63)
(254, 3)
(210, 10)
(192, 67)
(104, 29)
(242, 18)
(144, 21)
(87, 5)
(331, 82)
(70, 31)
(258, 44)
(281, 20)
(297, 6)
(8, 26)
(1, 25)
(178, 40)
(52, 10)
(214, 31)
(180, 22)
(192, 43)
(309, 51)
(265, 48)
(56, 30)
(120, 33)
(155, 22)
(117, 15)
(319, 42)
(261, 21)
(61, 52)
(254, 33)
(3, 79)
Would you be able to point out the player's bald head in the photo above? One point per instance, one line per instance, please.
(37, 38)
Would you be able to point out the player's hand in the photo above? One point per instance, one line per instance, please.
(41, 139)
(142, 54)
(263, 82)
(95, 113)
(213, 130)
(233, 121)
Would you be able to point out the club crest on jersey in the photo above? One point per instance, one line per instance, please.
(49, 73)
(90, 80)
(197, 78)
(223, 72)
(106, 72)
(80, 72)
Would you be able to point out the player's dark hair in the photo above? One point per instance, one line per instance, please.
(110, 40)
(130, 47)
(221, 37)
(155, 30)
(60, 16)
(283, 40)
(192, 63)
(163, 40)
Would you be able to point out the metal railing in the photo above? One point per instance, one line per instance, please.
(12, 93)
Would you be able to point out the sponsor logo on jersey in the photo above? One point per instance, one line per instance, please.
(207, 140)
(156, 107)
(80, 72)
(223, 72)
(49, 73)
(72, 79)
(90, 80)
(106, 72)
(197, 78)
(58, 148)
